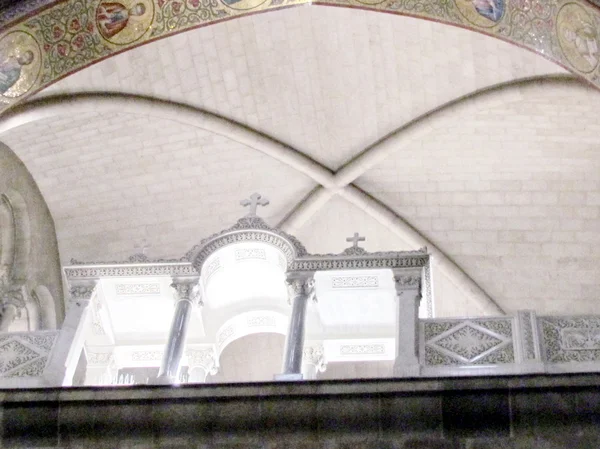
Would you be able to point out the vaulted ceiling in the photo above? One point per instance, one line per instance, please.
(408, 131)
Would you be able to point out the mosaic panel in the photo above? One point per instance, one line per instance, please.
(38, 49)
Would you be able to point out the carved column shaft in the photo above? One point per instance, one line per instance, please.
(187, 295)
(300, 291)
(408, 290)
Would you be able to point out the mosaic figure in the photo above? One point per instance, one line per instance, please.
(243, 4)
(20, 63)
(11, 67)
(578, 37)
(112, 18)
(492, 9)
(484, 13)
(124, 21)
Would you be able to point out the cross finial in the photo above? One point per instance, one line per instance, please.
(255, 200)
(355, 239)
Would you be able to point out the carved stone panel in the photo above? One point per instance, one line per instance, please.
(469, 342)
(24, 355)
(571, 339)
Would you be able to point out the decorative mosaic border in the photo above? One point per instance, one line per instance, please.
(44, 47)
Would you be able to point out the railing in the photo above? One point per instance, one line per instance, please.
(520, 344)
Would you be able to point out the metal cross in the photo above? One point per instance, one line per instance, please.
(255, 200)
(355, 239)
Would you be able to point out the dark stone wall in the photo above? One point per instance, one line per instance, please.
(535, 412)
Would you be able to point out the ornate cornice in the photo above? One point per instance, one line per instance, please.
(97, 271)
(358, 258)
(135, 258)
(247, 229)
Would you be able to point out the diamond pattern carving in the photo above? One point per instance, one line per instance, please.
(468, 342)
(13, 354)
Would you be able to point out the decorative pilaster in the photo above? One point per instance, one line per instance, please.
(300, 290)
(528, 335)
(313, 361)
(202, 362)
(408, 291)
(100, 366)
(188, 294)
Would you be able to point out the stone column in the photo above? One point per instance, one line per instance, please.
(187, 294)
(100, 367)
(301, 290)
(313, 361)
(12, 301)
(68, 346)
(202, 362)
(408, 291)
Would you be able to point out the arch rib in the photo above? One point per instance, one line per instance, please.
(329, 184)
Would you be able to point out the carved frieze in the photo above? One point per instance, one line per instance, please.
(97, 271)
(362, 281)
(260, 321)
(137, 289)
(361, 349)
(250, 253)
(146, 356)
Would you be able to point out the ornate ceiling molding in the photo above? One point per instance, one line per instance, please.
(63, 37)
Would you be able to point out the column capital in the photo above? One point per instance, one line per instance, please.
(187, 289)
(301, 285)
(204, 358)
(404, 281)
(314, 354)
(82, 291)
(14, 296)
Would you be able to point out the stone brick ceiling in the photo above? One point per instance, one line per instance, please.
(510, 192)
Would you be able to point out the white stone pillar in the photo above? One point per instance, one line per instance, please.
(187, 294)
(301, 289)
(408, 297)
(101, 369)
(313, 361)
(202, 362)
(68, 347)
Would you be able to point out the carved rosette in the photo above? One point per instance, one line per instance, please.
(301, 287)
(204, 359)
(188, 289)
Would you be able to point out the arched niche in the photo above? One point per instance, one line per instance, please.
(15, 235)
